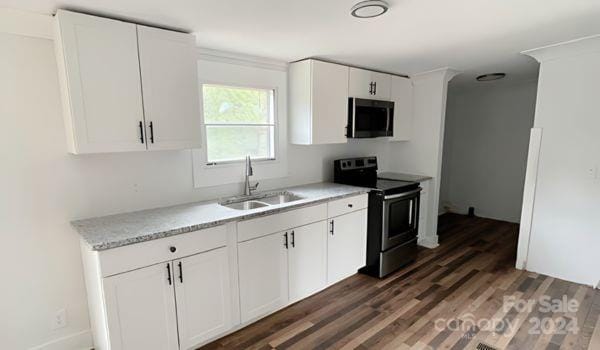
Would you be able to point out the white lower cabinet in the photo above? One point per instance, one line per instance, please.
(140, 309)
(282, 268)
(174, 305)
(307, 260)
(180, 292)
(263, 274)
(203, 294)
(346, 245)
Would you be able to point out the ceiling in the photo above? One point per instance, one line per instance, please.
(474, 36)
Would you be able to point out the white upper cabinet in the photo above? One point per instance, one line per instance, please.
(140, 309)
(126, 87)
(402, 95)
(100, 79)
(369, 85)
(170, 89)
(203, 294)
(318, 102)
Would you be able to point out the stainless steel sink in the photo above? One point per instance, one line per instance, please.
(261, 200)
(245, 205)
(280, 198)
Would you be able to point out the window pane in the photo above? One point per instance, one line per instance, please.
(227, 143)
(234, 105)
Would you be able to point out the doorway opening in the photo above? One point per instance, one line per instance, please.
(486, 139)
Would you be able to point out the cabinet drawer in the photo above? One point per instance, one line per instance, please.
(255, 228)
(347, 205)
(135, 256)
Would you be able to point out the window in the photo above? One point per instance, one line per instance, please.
(239, 122)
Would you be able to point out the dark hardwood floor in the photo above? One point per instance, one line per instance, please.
(452, 297)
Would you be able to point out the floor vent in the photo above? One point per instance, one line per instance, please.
(482, 346)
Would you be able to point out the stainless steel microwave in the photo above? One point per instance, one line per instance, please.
(370, 118)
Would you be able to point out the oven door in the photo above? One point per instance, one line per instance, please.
(400, 218)
(370, 118)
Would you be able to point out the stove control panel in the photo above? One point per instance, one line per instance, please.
(357, 163)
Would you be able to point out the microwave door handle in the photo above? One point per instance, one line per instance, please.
(387, 123)
(353, 130)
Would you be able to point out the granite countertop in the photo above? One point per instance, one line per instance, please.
(123, 229)
(403, 177)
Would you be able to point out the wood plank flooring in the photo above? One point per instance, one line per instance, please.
(439, 302)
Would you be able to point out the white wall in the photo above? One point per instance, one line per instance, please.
(485, 148)
(565, 232)
(423, 153)
(44, 188)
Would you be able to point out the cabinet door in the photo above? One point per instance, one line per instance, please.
(307, 260)
(140, 308)
(382, 87)
(346, 245)
(100, 78)
(329, 103)
(263, 274)
(402, 95)
(170, 89)
(203, 290)
(360, 83)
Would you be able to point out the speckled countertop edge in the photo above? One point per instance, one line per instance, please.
(119, 230)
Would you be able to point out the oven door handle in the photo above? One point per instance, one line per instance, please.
(410, 212)
(402, 195)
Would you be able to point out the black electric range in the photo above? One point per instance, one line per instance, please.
(393, 215)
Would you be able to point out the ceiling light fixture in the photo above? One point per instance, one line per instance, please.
(369, 9)
(491, 76)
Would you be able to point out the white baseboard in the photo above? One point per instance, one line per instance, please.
(78, 341)
(429, 242)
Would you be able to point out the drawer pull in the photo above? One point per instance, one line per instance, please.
(350, 205)
(173, 249)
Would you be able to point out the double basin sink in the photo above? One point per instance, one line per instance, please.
(261, 200)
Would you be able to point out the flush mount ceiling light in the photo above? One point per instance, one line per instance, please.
(369, 9)
(491, 76)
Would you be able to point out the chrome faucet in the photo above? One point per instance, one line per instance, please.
(247, 187)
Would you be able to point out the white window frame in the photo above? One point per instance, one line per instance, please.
(236, 73)
(274, 137)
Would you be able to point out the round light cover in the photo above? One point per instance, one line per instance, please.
(491, 76)
(369, 8)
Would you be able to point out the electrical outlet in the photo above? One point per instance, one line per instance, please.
(60, 319)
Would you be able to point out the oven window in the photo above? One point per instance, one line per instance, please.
(399, 221)
(371, 119)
